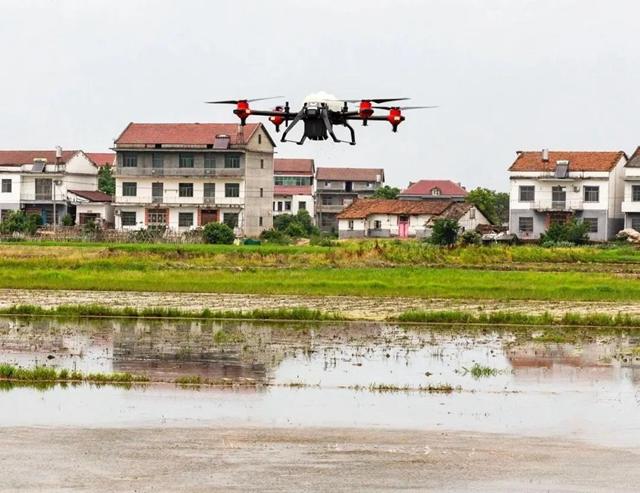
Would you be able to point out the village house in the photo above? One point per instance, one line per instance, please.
(382, 218)
(293, 186)
(336, 188)
(38, 182)
(631, 202)
(552, 186)
(434, 190)
(181, 176)
(92, 206)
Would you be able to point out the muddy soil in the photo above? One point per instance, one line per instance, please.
(357, 307)
(303, 459)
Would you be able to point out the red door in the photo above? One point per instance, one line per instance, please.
(403, 226)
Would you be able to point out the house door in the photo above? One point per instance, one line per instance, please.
(208, 216)
(403, 226)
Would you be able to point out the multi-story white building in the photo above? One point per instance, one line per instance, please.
(631, 202)
(293, 186)
(551, 186)
(185, 175)
(38, 182)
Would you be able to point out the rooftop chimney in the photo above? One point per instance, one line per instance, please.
(545, 155)
(58, 154)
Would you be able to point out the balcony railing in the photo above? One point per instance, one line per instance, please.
(204, 172)
(42, 197)
(559, 205)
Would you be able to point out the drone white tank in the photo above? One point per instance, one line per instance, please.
(324, 97)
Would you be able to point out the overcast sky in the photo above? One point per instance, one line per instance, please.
(507, 75)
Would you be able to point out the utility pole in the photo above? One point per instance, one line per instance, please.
(55, 184)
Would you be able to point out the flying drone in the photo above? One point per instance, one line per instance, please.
(321, 112)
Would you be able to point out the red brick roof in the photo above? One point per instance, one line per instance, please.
(101, 158)
(17, 158)
(93, 195)
(425, 187)
(286, 166)
(362, 208)
(183, 133)
(349, 174)
(578, 160)
(292, 190)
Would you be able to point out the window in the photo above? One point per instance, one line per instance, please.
(327, 184)
(592, 222)
(293, 181)
(302, 205)
(635, 193)
(287, 205)
(259, 138)
(6, 185)
(185, 189)
(525, 224)
(261, 192)
(635, 223)
(435, 191)
(472, 213)
(232, 190)
(44, 188)
(209, 190)
(369, 184)
(350, 224)
(130, 160)
(157, 192)
(128, 218)
(185, 160)
(592, 194)
(377, 224)
(129, 189)
(209, 161)
(260, 221)
(279, 206)
(157, 160)
(262, 164)
(230, 219)
(327, 201)
(232, 161)
(527, 193)
(185, 219)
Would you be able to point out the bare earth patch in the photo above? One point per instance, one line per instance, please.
(364, 308)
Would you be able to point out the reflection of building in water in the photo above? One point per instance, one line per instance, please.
(603, 359)
(170, 348)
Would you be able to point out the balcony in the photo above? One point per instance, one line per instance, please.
(42, 197)
(190, 172)
(558, 205)
(630, 206)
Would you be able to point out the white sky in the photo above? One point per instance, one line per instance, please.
(507, 74)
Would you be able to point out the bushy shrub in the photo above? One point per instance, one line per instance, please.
(275, 236)
(20, 222)
(68, 220)
(574, 232)
(323, 239)
(298, 225)
(218, 233)
(445, 232)
(471, 238)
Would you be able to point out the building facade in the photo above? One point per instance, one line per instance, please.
(337, 188)
(378, 218)
(293, 189)
(38, 182)
(631, 201)
(551, 186)
(181, 176)
(434, 190)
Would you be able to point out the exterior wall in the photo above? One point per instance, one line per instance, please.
(388, 226)
(104, 210)
(140, 218)
(295, 202)
(11, 201)
(472, 219)
(357, 231)
(259, 176)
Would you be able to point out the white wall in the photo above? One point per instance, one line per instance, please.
(295, 201)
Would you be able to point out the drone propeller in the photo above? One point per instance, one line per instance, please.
(236, 101)
(377, 101)
(403, 107)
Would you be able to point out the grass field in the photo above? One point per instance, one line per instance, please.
(355, 268)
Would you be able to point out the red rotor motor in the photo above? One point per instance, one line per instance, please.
(277, 120)
(365, 111)
(242, 110)
(395, 118)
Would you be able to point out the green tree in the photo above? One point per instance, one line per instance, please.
(20, 222)
(297, 225)
(445, 232)
(573, 231)
(386, 192)
(494, 205)
(218, 233)
(106, 181)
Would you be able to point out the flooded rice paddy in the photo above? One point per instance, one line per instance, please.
(583, 386)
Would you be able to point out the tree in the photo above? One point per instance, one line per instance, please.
(218, 233)
(494, 205)
(445, 232)
(573, 231)
(106, 181)
(386, 192)
(297, 225)
(20, 222)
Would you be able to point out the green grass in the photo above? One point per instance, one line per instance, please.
(221, 336)
(480, 371)
(46, 374)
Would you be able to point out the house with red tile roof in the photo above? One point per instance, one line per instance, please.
(336, 188)
(556, 186)
(293, 186)
(38, 181)
(92, 206)
(383, 218)
(434, 189)
(182, 176)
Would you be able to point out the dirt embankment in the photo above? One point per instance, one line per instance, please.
(303, 459)
(364, 308)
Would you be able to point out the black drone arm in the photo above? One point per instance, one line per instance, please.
(297, 118)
